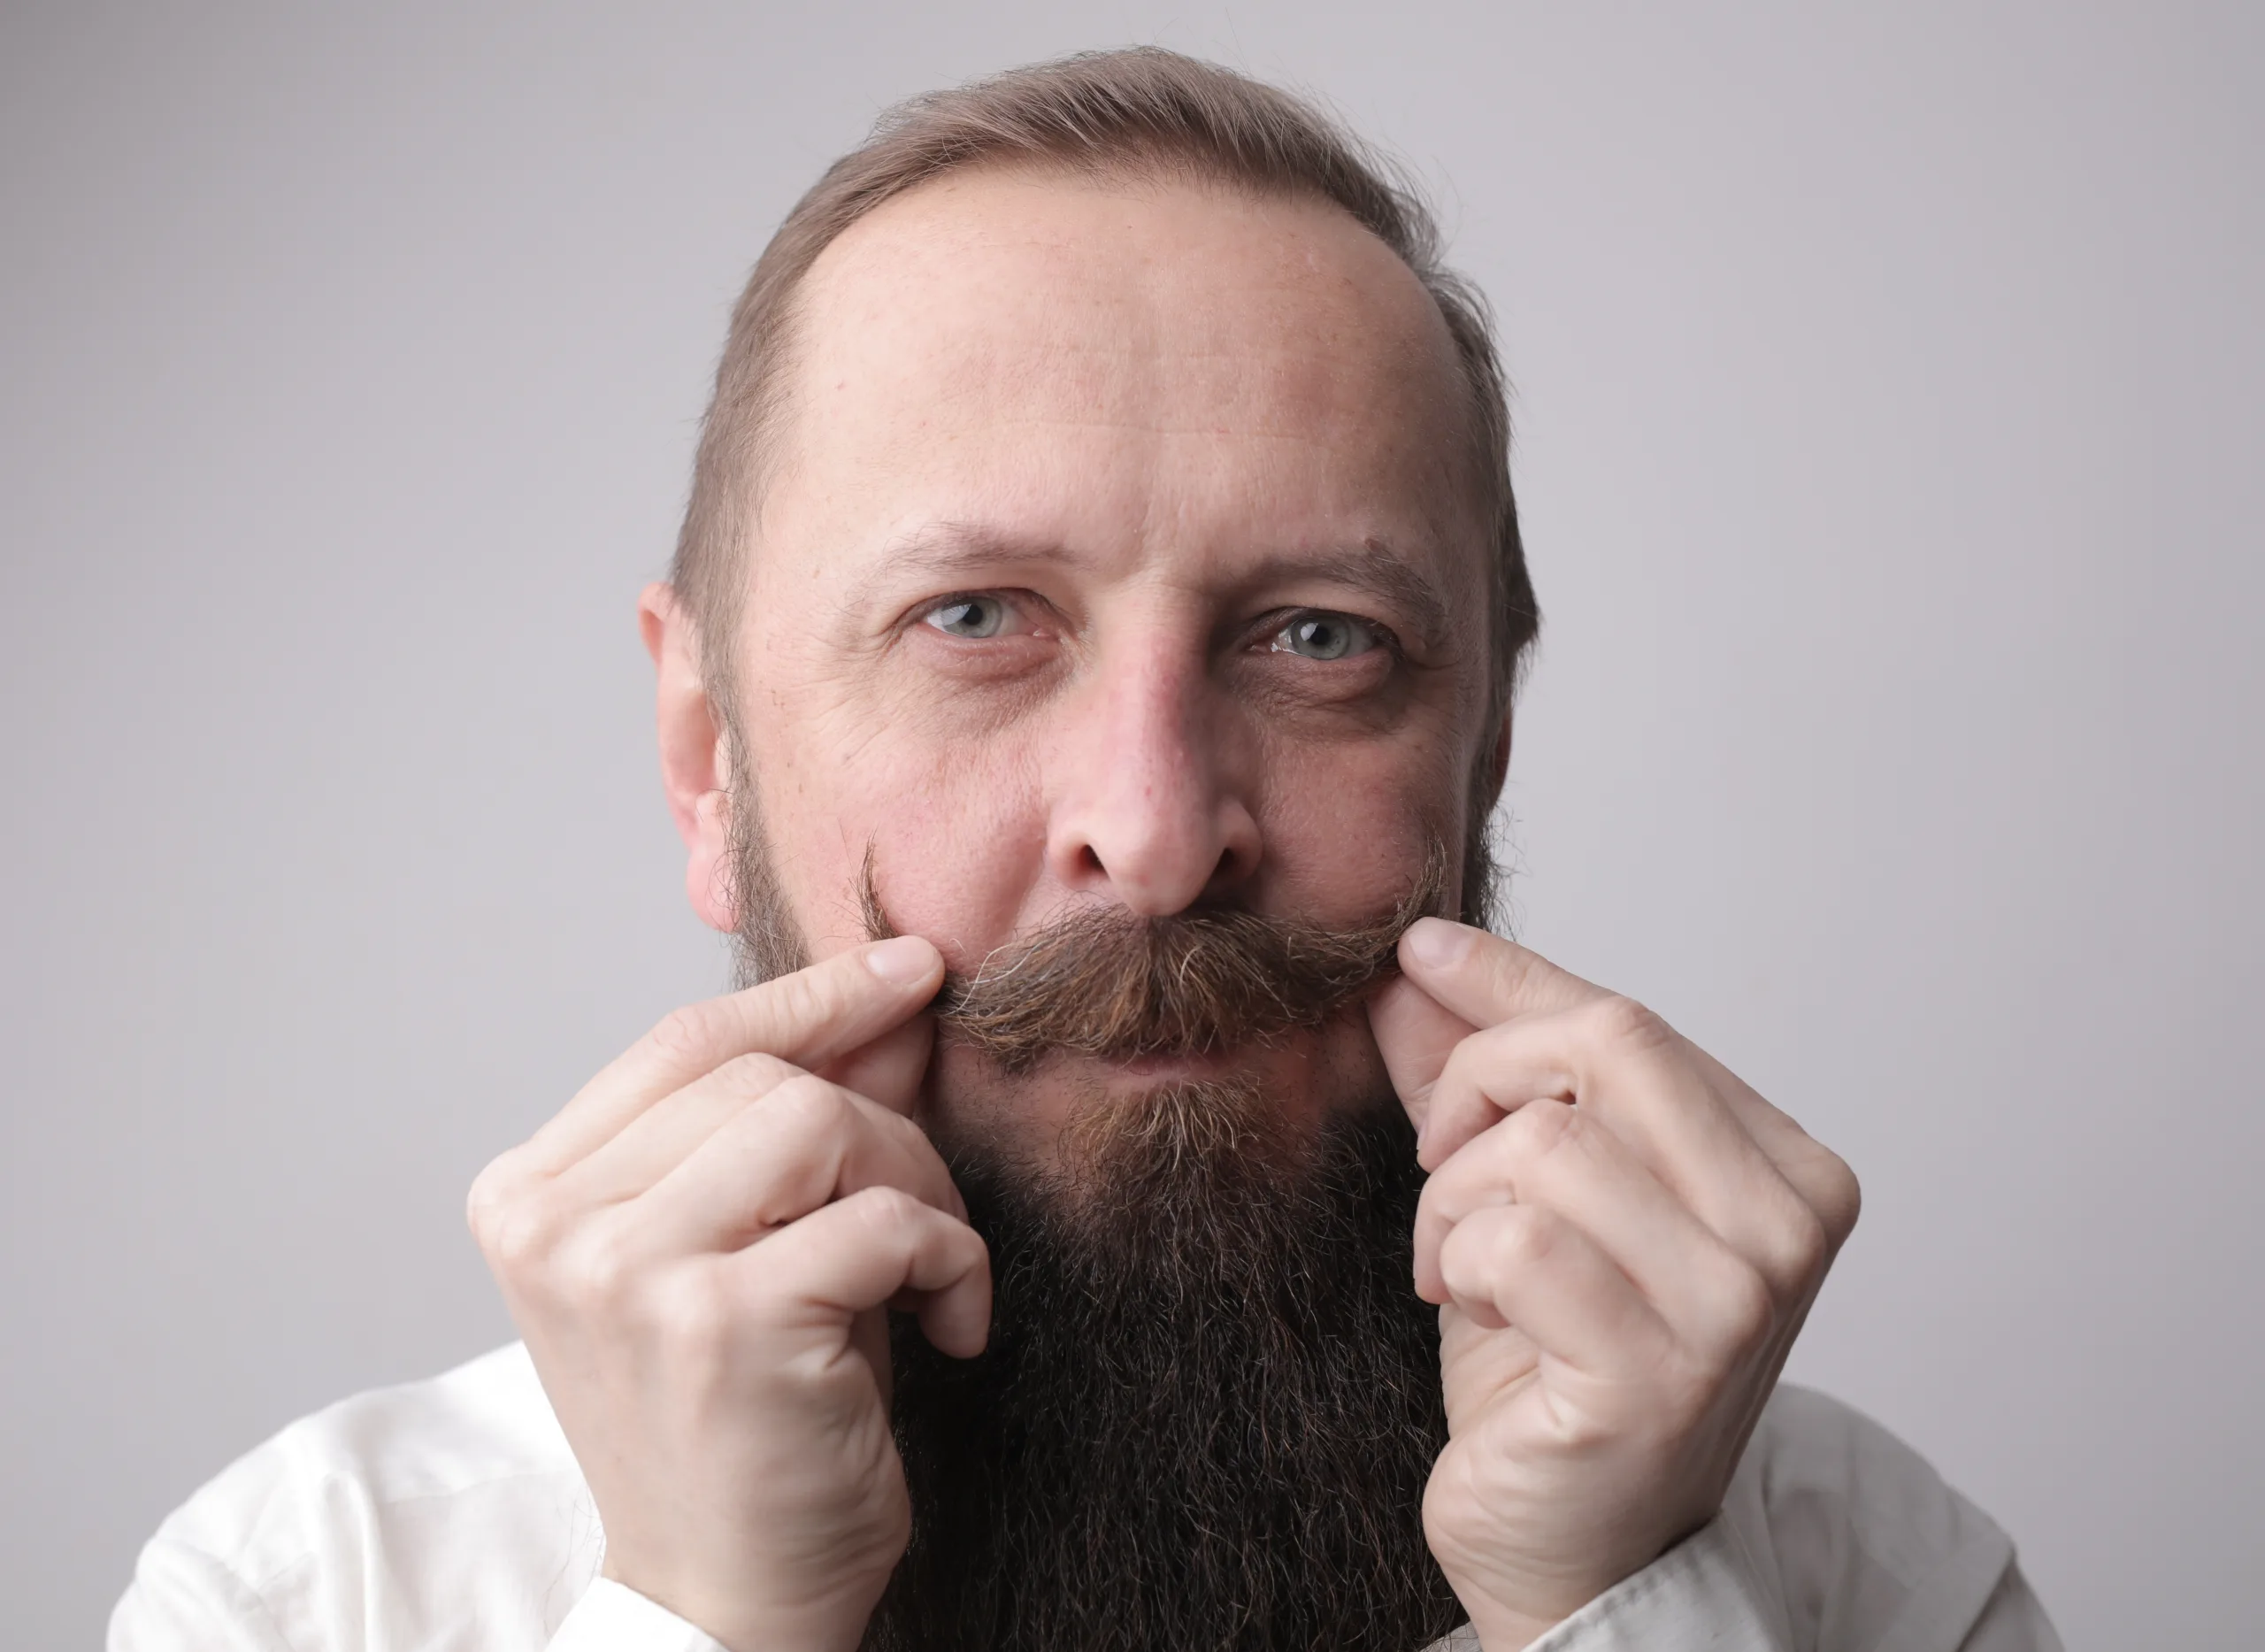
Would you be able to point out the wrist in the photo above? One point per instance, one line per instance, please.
(1510, 1614)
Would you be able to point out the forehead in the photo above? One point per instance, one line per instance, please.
(985, 340)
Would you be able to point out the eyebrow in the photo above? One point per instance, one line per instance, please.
(1375, 568)
(948, 549)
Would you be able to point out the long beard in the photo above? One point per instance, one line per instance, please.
(1207, 1410)
(1210, 1400)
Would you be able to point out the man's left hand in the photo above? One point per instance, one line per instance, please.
(1623, 1240)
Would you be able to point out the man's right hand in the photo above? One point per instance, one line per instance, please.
(701, 1250)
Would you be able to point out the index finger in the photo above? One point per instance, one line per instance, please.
(1484, 978)
(807, 1018)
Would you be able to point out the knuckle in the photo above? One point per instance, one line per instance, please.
(1519, 975)
(1525, 1237)
(1840, 1199)
(808, 1103)
(897, 1128)
(687, 1032)
(1538, 1131)
(1794, 1248)
(518, 1235)
(804, 999)
(884, 1210)
(490, 1197)
(603, 1272)
(755, 1073)
(1623, 1022)
(1744, 1311)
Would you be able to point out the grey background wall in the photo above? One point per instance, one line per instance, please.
(1890, 419)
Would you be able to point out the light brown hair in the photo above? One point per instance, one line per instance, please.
(1141, 110)
(1101, 982)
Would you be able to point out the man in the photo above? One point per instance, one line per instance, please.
(1119, 1209)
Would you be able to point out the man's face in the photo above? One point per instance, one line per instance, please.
(1118, 548)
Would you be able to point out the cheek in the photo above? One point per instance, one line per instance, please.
(1346, 821)
(954, 831)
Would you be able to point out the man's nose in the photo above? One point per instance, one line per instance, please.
(1150, 786)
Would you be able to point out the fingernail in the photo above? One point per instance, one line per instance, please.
(1438, 944)
(901, 961)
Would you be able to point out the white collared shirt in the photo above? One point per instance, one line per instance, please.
(450, 1514)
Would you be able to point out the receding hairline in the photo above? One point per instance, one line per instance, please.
(1133, 176)
(1142, 113)
(1399, 295)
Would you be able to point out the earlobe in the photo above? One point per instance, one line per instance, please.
(707, 877)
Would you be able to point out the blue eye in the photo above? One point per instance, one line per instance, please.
(968, 617)
(1326, 637)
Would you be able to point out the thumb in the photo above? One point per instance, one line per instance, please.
(889, 1069)
(1415, 1036)
(1484, 978)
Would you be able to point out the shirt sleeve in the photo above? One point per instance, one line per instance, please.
(1706, 1591)
(1835, 1537)
(2013, 1620)
(182, 1600)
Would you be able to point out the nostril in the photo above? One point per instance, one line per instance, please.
(1229, 871)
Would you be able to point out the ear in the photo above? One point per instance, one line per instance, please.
(696, 763)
